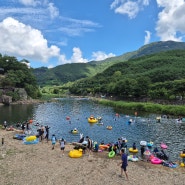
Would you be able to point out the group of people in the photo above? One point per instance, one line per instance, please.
(62, 143)
(43, 133)
(25, 126)
(87, 143)
(94, 146)
(119, 147)
(124, 162)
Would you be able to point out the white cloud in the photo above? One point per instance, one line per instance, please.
(34, 3)
(62, 60)
(147, 37)
(99, 55)
(35, 12)
(78, 58)
(29, 2)
(75, 30)
(75, 58)
(53, 10)
(129, 7)
(50, 66)
(145, 2)
(75, 27)
(22, 40)
(115, 3)
(170, 24)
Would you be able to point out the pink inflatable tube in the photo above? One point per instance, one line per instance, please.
(156, 160)
(164, 146)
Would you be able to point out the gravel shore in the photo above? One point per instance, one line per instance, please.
(40, 165)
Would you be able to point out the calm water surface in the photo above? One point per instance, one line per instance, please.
(54, 115)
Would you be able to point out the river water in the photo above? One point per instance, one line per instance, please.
(55, 114)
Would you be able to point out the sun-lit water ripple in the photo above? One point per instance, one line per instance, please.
(145, 128)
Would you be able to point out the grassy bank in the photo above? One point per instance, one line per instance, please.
(175, 110)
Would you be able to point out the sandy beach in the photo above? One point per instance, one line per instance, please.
(38, 164)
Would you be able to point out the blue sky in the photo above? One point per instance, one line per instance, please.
(54, 32)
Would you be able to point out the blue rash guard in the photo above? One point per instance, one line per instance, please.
(124, 160)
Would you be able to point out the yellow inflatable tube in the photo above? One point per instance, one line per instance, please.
(74, 131)
(132, 150)
(31, 138)
(75, 153)
(92, 120)
(182, 155)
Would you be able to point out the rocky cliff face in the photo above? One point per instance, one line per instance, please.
(6, 99)
(22, 93)
(6, 95)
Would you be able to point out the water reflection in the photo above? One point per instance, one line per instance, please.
(54, 115)
(16, 113)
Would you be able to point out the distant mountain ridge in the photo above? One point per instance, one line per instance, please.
(71, 72)
(157, 47)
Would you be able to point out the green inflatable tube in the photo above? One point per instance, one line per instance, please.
(111, 154)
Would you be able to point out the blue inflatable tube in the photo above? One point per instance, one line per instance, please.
(36, 141)
(19, 136)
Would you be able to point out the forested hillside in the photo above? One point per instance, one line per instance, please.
(15, 74)
(156, 76)
(63, 73)
(70, 72)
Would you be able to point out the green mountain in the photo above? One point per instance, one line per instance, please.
(71, 72)
(157, 47)
(156, 76)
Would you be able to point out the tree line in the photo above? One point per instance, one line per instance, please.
(156, 76)
(17, 74)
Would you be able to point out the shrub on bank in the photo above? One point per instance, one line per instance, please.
(175, 110)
